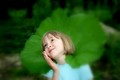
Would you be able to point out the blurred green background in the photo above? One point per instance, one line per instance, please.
(19, 19)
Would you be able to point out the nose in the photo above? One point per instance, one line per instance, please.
(49, 45)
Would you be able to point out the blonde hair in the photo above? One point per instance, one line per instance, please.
(67, 42)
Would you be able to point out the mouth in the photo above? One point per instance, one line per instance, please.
(51, 50)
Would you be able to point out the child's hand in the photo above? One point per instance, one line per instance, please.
(50, 62)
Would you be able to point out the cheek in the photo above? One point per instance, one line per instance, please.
(61, 46)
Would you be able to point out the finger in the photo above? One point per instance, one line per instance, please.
(46, 56)
(48, 60)
(48, 53)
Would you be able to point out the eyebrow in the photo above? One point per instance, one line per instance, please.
(49, 37)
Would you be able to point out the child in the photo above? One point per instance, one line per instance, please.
(56, 46)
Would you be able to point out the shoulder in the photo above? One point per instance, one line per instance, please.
(85, 72)
(84, 67)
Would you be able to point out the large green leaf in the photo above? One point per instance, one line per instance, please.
(84, 30)
(88, 38)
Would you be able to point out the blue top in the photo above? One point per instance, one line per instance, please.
(68, 73)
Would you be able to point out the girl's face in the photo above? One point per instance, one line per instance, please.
(53, 46)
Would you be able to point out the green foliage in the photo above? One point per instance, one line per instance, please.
(102, 14)
(14, 33)
(84, 30)
(41, 9)
(15, 14)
